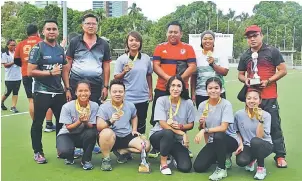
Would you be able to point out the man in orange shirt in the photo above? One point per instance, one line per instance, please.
(21, 58)
(171, 58)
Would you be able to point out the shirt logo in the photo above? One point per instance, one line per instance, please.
(46, 57)
(51, 66)
(182, 51)
(165, 51)
(73, 119)
(274, 106)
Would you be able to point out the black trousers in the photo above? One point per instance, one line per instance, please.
(42, 102)
(259, 150)
(200, 99)
(96, 91)
(67, 142)
(216, 151)
(166, 142)
(157, 94)
(141, 112)
(12, 86)
(271, 106)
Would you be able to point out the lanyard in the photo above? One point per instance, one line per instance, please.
(205, 112)
(131, 62)
(118, 109)
(82, 110)
(171, 115)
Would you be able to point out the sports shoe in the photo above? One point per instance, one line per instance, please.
(121, 158)
(218, 174)
(78, 152)
(153, 153)
(39, 158)
(50, 128)
(228, 163)
(106, 164)
(14, 110)
(260, 174)
(250, 167)
(165, 170)
(96, 149)
(190, 154)
(69, 162)
(3, 107)
(87, 165)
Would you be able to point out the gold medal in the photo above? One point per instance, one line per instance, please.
(170, 121)
(130, 64)
(210, 54)
(120, 113)
(119, 110)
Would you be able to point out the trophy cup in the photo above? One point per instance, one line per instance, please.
(256, 78)
(144, 166)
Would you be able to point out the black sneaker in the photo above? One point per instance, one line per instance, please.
(3, 107)
(14, 110)
(121, 158)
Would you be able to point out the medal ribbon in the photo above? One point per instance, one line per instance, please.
(80, 109)
(117, 108)
(134, 57)
(205, 112)
(171, 115)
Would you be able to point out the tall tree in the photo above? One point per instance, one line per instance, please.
(134, 13)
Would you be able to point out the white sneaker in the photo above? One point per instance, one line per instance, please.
(165, 170)
(250, 167)
(260, 174)
(169, 159)
(218, 174)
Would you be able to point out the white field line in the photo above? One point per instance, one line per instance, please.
(20, 113)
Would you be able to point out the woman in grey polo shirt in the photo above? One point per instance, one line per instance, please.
(135, 69)
(174, 116)
(79, 119)
(253, 125)
(216, 118)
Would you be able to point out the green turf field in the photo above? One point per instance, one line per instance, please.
(17, 155)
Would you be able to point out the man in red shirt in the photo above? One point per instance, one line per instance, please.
(268, 60)
(21, 59)
(171, 58)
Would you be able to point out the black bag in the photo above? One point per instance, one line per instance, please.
(242, 93)
(181, 67)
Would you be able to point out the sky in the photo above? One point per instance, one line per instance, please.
(154, 9)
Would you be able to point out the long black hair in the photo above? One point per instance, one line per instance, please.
(184, 92)
(7, 43)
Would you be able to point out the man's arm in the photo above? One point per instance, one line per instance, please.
(220, 70)
(106, 69)
(281, 72)
(66, 71)
(241, 76)
(32, 71)
(189, 71)
(159, 71)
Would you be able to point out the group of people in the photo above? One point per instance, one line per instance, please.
(84, 117)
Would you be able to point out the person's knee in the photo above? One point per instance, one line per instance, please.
(90, 133)
(106, 135)
(219, 136)
(199, 166)
(256, 142)
(184, 166)
(167, 133)
(242, 161)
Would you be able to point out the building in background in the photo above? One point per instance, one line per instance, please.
(42, 4)
(112, 8)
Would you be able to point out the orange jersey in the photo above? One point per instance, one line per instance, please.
(168, 55)
(22, 50)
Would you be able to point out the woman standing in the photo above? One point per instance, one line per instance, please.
(216, 119)
(209, 64)
(174, 116)
(135, 69)
(13, 75)
(253, 125)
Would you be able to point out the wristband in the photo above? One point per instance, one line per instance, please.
(181, 127)
(108, 122)
(68, 89)
(107, 87)
(206, 130)
(211, 64)
(261, 121)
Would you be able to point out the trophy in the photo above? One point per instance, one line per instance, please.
(144, 166)
(256, 78)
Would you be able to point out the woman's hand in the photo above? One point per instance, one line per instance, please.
(239, 149)
(126, 69)
(199, 136)
(185, 140)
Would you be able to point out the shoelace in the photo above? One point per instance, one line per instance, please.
(218, 170)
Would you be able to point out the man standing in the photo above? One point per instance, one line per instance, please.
(263, 60)
(45, 64)
(21, 59)
(171, 58)
(88, 58)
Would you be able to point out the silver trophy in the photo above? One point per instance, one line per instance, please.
(256, 78)
(144, 166)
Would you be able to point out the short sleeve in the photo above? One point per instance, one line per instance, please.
(4, 58)
(241, 65)
(107, 53)
(236, 122)
(157, 54)
(224, 62)
(133, 110)
(34, 55)
(118, 67)
(277, 57)
(65, 116)
(17, 53)
(191, 57)
(227, 114)
(71, 48)
(191, 112)
(159, 113)
(94, 111)
(150, 67)
(267, 123)
(102, 113)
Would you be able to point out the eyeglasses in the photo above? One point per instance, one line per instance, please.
(252, 36)
(90, 24)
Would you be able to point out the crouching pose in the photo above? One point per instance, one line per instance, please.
(254, 125)
(117, 124)
(79, 119)
(174, 115)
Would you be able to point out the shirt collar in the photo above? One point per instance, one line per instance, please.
(139, 56)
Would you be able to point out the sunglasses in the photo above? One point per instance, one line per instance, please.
(255, 35)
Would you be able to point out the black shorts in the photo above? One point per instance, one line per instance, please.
(123, 142)
(27, 83)
(12, 86)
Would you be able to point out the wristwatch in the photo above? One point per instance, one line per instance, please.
(260, 121)
(108, 122)
(206, 130)
(68, 89)
(107, 87)
(211, 64)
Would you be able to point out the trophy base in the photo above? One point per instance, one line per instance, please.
(255, 81)
(144, 168)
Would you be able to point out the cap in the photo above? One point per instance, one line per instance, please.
(252, 28)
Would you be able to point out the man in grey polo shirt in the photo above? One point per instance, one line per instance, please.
(88, 58)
